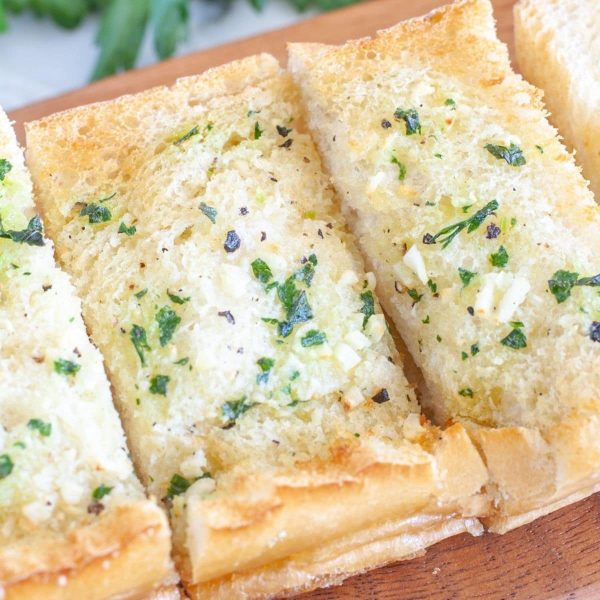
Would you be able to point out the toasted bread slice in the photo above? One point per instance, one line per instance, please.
(73, 517)
(471, 212)
(557, 45)
(261, 392)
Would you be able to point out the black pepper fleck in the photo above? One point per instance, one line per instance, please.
(243, 211)
(287, 144)
(230, 318)
(428, 239)
(595, 331)
(493, 231)
(470, 310)
(232, 241)
(385, 124)
(381, 396)
(95, 508)
(283, 131)
(263, 236)
(320, 233)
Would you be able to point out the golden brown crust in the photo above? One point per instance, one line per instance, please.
(122, 555)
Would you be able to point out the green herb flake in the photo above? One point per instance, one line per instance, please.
(44, 428)
(182, 361)
(257, 131)
(438, 337)
(561, 284)
(451, 103)
(410, 118)
(178, 299)
(540, 149)
(63, 366)
(464, 355)
(368, 306)
(294, 375)
(513, 155)
(466, 276)
(32, 235)
(141, 293)
(190, 134)
(5, 168)
(314, 337)
(438, 155)
(234, 409)
(265, 364)
(447, 234)
(101, 491)
(178, 485)
(500, 258)
(474, 349)
(158, 384)
(95, 213)
(6, 465)
(466, 392)
(401, 167)
(516, 339)
(167, 320)
(129, 231)
(432, 286)
(261, 270)
(416, 297)
(209, 212)
(137, 335)
(426, 320)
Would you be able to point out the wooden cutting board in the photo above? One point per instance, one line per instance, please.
(556, 557)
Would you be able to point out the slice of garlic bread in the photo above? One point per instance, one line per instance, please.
(558, 45)
(261, 392)
(74, 522)
(483, 236)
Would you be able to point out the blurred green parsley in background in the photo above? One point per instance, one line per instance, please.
(123, 23)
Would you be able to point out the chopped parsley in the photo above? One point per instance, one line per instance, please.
(141, 293)
(178, 299)
(261, 270)
(450, 102)
(139, 341)
(401, 167)
(381, 396)
(101, 491)
(182, 361)
(500, 258)
(167, 320)
(540, 149)
(516, 339)
(474, 349)
(432, 286)
(368, 306)
(190, 134)
(127, 230)
(464, 355)
(5, 168)
(6, 465)
(426, 320)
(32, 235)
(232, 241)
(416, 297)
(257, 131)
(513, 155)
(466, 276)
(314, 337)
(96, 213)
(447, 234)
(234, 409)
(158, 384)
(66, 367)
(563, 282)
(178, 485)
(265, 364)
(466, 392)
(410, 118)
(44, 428)
(209, 212)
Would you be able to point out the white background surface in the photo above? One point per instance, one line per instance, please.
(39, 60)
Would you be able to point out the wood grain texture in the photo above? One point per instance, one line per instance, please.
(555, 558)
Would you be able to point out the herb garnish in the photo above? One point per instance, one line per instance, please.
(178, 485)
(6, 465)
(158, 384)
(516, 339)
(234, 409)
(450, 102)
(416, 297)
(66, 367)
(265, 364)
(447, 234)
(261, 270)
(32, 235)
(466, 276)
(101, 491)
(563, 282)
(178, 299)
(401, 167)
(167, 320)
(95, 213)
(432, 286)
(182, 361)
(500, 258)
(257, 131)
(127, 230)
(44, 428)
(314, 337)
(139, 341)
(232, 241)
(368, 307)
(141, 293)
(209, 211)
(513, 155)
(191, 133)
(474, 349)
(410, 118)
(466, 392)
(5, 168)
(381, 396)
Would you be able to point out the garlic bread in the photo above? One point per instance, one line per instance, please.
(260, 389)
(483, 237)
